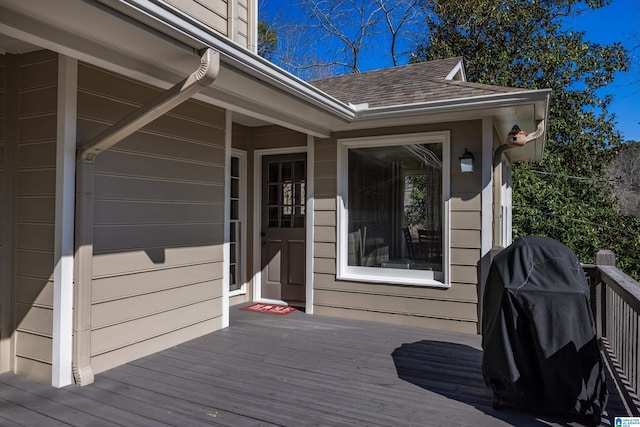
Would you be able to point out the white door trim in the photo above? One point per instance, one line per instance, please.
(257, 217)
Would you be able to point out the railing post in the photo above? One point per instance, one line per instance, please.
(608, 258)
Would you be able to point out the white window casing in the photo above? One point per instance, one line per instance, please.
(400, 276)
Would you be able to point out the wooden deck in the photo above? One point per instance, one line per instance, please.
(294, 370)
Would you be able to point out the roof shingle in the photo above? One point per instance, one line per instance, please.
(409, 84)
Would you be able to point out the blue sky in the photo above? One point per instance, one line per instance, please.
(620, 21)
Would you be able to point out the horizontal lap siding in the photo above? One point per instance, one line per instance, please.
(34, 165)
(212, 13)
(242, 30)
(449, 309)
(158, 222)
(216, 14)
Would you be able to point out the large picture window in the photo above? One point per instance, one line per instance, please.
(393, 218)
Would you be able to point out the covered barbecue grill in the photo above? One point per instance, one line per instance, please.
(538, 334)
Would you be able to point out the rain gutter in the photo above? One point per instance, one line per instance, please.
(453, 105)
(86, 154)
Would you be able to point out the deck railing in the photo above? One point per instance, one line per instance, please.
(615, 300)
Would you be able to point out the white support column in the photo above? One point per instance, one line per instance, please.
(64, 226)
(309, 223)
(228, 132)
(487, 186)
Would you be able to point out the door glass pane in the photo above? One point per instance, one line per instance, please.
(286, 193)
(273, 217)
(274, 194)
(299, 173)
(286, 171)
(274, 172)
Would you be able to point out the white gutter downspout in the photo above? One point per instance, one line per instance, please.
(197, 81)
(194, 83)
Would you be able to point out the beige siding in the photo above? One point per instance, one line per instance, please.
(158, 222)
(212, 13)
(34, 163)
(451, 309)
(219, 15)
(266, 137)
(241, 138)
(242, 30)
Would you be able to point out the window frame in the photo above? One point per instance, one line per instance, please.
(393, 275)
(241, 258)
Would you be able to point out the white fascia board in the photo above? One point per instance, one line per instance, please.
(459, 68)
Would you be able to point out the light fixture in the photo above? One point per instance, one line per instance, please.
(466, 162)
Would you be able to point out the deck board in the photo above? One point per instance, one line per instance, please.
(295, 370)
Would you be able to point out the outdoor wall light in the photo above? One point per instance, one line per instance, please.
(466, 162)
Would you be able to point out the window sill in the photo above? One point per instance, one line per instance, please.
(400, 277)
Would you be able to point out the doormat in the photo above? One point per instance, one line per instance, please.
(259, 307)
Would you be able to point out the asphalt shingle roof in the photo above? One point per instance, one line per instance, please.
(409, 84)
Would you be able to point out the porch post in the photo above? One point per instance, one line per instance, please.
(486, 231)
(309, 223)
(64, 222)
(226, 253)
(604, 257)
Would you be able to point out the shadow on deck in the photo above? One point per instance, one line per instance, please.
(293, 370)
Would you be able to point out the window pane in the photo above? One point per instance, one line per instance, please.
(395, 207)
(235, 166)
(235, 211)
(273, 217)
(235, 187)
(286, 171)
(274, 172)
(285, 219)
(299, 171)
(274, 194)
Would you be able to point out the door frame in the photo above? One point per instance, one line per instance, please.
(257, 221)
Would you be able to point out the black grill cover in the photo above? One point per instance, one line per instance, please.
(538, 334)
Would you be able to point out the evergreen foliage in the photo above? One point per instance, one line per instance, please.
(267, 40)
(522, 43)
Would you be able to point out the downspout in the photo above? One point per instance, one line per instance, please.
(197, 81)
(86, 154)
